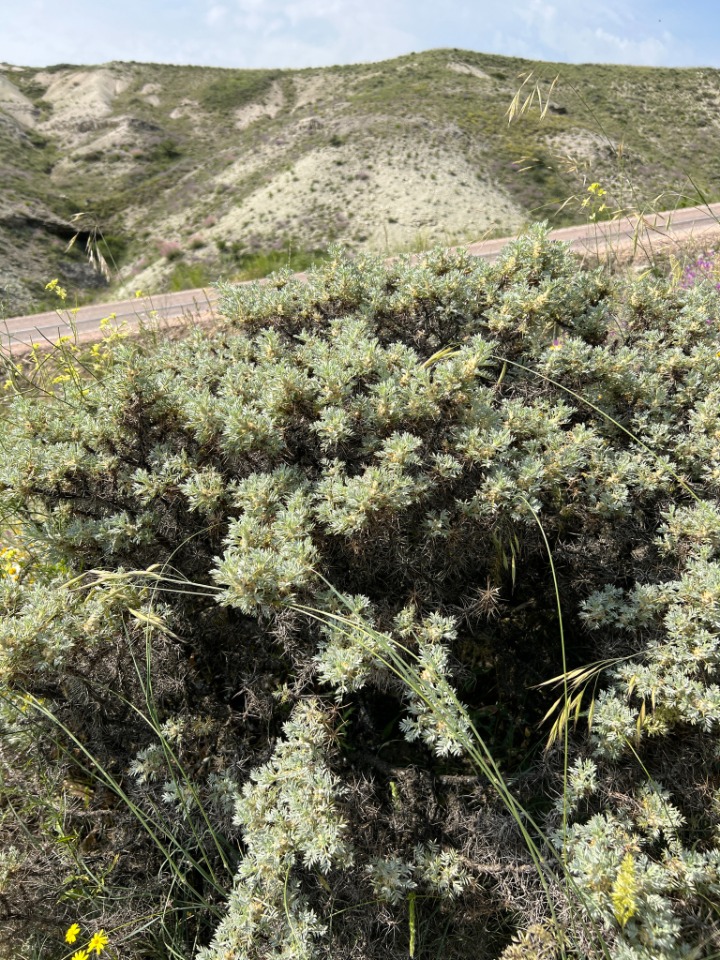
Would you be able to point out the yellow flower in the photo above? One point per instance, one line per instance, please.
(80, 955)
(98, 942)
(59, 291)
(624, 891)
(138, 293)
(72, 933)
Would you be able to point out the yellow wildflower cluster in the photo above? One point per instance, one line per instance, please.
(21, 564)
(96, 944)
(101, 353)
(60, 292)
(10, 563)
(66, 349)
(595, 200)
(624, 891)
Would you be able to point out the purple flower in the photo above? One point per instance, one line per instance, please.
(706, 266)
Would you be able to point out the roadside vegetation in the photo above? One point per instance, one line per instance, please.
(381, 621)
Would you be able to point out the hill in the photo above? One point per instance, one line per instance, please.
(191, 173)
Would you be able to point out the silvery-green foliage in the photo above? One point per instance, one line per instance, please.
(346, 504)
(291, 818)
(10, 860)
(672, 679)
(667, 685)
(349, 649)
(269, 550)
(297, 780)
(42, 625)
(442, 871)
(222, 791)
(352, 651)
(540, 941)
(391, 878)
(581, 783)
(691, 530)
(149, 764)
(207, 491)
(649, 924)
(394, 433)
(434, 713)
(180, 796)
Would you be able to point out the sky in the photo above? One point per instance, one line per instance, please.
(310, 33)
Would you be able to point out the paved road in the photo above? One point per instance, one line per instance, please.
(621, 237)
(659, 230)
(84, 323)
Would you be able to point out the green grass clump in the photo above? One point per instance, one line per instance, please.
(291, 594)
(242, 266)
(254, 266)
(188, 276)
(231, 89)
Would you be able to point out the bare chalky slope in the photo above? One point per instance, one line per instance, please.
(193, 173)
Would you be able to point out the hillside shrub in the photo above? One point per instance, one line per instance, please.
(200, 765)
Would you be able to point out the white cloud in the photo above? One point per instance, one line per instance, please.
(537, 12)
(299, 33)
(215, 15)
(650, 50)
(608, 31)
(320, 32)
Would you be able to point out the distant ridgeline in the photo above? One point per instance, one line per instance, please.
(187, 174)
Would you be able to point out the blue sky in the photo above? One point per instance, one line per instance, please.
(301, 33)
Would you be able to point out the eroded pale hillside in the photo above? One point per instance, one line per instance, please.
(192, 173)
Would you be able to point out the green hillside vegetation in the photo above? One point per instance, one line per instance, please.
(219, 167)
(382, 621)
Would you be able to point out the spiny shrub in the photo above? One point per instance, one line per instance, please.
(399, 445)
